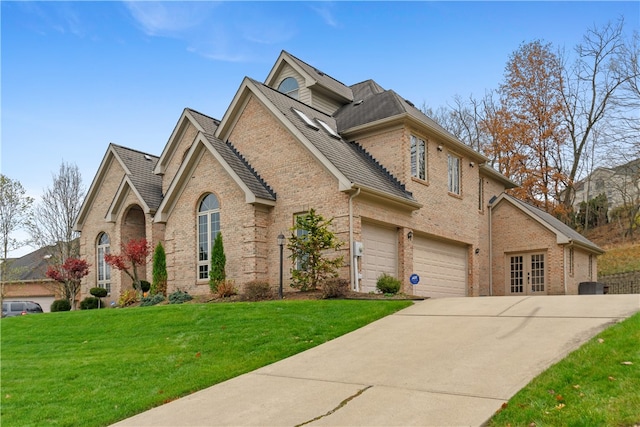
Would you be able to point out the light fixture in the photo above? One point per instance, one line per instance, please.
(410, 235)
(439, 147)
(477, 251)
(471, 164)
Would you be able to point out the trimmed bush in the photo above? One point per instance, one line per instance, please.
(335, 288)
(388, 284)
(145, 286)
(151, 300)
(98, 292)
(60, 305)
(90, 303)
(159, 280)
(178, 297)
(257, 290)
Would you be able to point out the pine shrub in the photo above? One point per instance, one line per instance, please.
(218, 262)
(159, 280)
(178, 297)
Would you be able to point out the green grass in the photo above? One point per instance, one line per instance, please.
(621, 259)
(100, 366)
(590, 387)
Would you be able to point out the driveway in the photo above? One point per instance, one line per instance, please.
(440, 362)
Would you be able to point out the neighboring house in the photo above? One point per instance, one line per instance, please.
(620, 184)
(27, 280)
(400, 187)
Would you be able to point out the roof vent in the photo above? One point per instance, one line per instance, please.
(147, 157)
(358, 102)
(409, 102)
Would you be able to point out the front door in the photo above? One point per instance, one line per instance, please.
(527, 274)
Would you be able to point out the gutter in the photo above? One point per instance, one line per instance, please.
(353, 267)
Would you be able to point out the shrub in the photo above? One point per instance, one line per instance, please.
(159, 280)
(90, 303)
(335, 288)
(127, 298)
(178, 297)
(388, 284)
(226, 288)
(218, 262)
(151, 300)
(144, 286)
(257, 290)
(61, 305)
(98, 292)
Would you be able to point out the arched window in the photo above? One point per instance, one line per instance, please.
(289, 86)
(104, 270)
(208, 229)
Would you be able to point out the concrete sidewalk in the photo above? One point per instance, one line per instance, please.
(440, 362)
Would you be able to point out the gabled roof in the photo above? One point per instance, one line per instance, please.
(564, 233)
(313, 77)
(202, 122)
(32, 266)
(348, 162)
(139, 178)
(255, 188)
(375, 105)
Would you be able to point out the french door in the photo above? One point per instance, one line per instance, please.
(527, 274)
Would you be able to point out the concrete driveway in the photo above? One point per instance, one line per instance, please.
(440, 362)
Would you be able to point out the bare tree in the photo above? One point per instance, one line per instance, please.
(592, 90)
(52, 221)
(14, 211)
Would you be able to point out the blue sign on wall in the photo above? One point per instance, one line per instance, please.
(414, 279)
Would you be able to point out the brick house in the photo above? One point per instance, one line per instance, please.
(406, 196)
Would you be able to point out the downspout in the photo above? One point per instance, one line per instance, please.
(354, 265)
(490, 252)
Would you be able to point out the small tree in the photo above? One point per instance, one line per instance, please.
(310, 240)
(218, 262)
(135, 253)
(69, 274)
(159, 280)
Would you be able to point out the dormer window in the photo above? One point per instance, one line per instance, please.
(289, 86)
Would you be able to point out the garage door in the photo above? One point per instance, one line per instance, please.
(442, 268)
(45, 302)
(380, 254)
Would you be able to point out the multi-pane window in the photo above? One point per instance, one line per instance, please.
(454, 174)
(208, 229)
(289, 86)
(571, 267)
(537, 273)
(300, 233)
(590, 266)
(418, 158)
(516, 280)
(481, 194)
(104, 269)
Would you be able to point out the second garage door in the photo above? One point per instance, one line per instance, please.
(442, 268)
(380, 254)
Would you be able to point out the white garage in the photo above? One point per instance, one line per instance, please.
(380, 254)
(442, 268)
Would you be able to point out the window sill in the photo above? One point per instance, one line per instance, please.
(454, 195)
(420, 181)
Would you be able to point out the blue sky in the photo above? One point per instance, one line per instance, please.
(78, 75)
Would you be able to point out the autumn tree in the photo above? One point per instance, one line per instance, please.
(53, 218)
(133, 255)
(593, 94)
(14, 210)
(309, 243)
(69, 275)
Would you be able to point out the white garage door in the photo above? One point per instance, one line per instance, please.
(380, 254)
(442, 268)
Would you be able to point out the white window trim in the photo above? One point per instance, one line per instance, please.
(102, 267)
(454, 174)
(211, 236)
(420, 158)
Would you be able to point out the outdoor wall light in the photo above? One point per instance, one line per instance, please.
(477, 251)
(281, 240)
(439, 147)
(471, 164)
(410, 235)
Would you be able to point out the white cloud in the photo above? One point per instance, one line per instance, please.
(170, 18)
(325, 12)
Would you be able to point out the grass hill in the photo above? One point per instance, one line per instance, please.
(622, 252)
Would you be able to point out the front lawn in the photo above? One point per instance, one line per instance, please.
(96, 367)
(596, 385)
